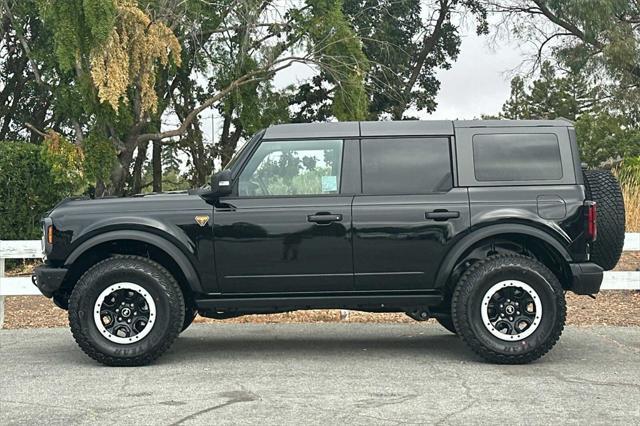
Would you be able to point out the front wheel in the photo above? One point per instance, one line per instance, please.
(509, 309)
(447, 322)
(126, 311)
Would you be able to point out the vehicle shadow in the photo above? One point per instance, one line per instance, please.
(248, 347)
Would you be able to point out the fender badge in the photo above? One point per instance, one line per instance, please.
(202, 219)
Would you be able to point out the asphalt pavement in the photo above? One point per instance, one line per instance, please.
(321, 374)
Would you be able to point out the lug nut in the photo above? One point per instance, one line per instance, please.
(119, 318)
(517, 312)
(502, 315)
(510, 318)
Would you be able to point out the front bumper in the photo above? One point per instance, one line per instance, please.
(48, 279)
(587, 278)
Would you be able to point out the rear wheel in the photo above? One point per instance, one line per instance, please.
(603, 188)
(509, 309)
(126, 311)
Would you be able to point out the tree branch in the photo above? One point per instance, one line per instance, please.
(23, 43)
(35, 129)
(245, 79)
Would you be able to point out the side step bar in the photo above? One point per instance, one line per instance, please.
(396, 302)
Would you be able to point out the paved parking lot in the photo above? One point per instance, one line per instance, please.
(319, 374)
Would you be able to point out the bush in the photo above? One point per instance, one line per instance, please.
(27, 190)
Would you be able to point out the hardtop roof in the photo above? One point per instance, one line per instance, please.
(354, 129)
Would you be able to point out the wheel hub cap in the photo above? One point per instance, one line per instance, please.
(124, 313)
(511, 310)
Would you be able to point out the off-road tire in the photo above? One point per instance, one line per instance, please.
(146, 273)
(190, 313)
(447, 322)
(467, 300)
(603, 188)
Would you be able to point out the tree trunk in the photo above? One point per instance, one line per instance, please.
(156, 162)
(228, 140)
(100, 189)
(137, 167)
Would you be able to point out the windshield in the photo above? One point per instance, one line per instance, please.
(239, 152)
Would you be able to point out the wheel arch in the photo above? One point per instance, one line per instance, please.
(510, 237)
(155, 247)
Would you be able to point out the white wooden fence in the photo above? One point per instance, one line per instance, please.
(22, 286)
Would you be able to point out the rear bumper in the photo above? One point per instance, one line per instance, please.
(587, 278)
(47, 279)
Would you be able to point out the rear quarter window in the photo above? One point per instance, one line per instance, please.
(516, 157)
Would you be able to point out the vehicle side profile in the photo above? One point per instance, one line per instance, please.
(482, 225)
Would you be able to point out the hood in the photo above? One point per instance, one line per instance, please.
(165, 201)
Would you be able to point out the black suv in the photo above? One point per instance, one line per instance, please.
(482, 225)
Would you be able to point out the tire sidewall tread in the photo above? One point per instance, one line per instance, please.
(160, 284)
(467, 298)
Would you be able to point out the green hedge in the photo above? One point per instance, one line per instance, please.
(27, 190)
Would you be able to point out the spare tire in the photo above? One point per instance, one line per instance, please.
(603, 188)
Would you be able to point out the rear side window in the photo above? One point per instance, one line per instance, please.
(406, 166)
(516, 157)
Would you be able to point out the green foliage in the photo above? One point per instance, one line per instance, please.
(78, 26)
(552, 95)
(602, 137)
(27, 190)
(341, 58)
(100, 16)
(629, 172)
(604, 133)
(65, 161)
(99, 157)
(403, 54)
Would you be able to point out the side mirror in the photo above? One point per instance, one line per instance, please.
(221, 184)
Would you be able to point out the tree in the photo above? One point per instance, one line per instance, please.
(404, 50)
(116, 66)
(603, 133)
(25, 97)
(517, 106)
(552, 95)
(598, 38)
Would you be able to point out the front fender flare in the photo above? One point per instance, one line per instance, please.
(449, 262)
(155, 240)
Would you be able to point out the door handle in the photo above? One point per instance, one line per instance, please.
(324, 218)
(441, 215)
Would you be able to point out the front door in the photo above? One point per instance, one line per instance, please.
(408, 215)
(288, 230)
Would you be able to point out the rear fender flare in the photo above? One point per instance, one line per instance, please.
(451, 259)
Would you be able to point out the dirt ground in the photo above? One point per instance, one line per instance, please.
(620, 308)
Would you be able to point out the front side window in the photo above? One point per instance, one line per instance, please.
(406, 166)
(289, 168)
(516, 157)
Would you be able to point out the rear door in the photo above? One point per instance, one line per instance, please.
(408, 214)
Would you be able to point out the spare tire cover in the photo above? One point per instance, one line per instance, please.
(603, 188)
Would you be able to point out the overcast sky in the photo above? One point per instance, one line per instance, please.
(478, 82)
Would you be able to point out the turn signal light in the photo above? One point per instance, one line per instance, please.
(50, 234)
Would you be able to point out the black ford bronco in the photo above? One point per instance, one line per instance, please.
(482, 225)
